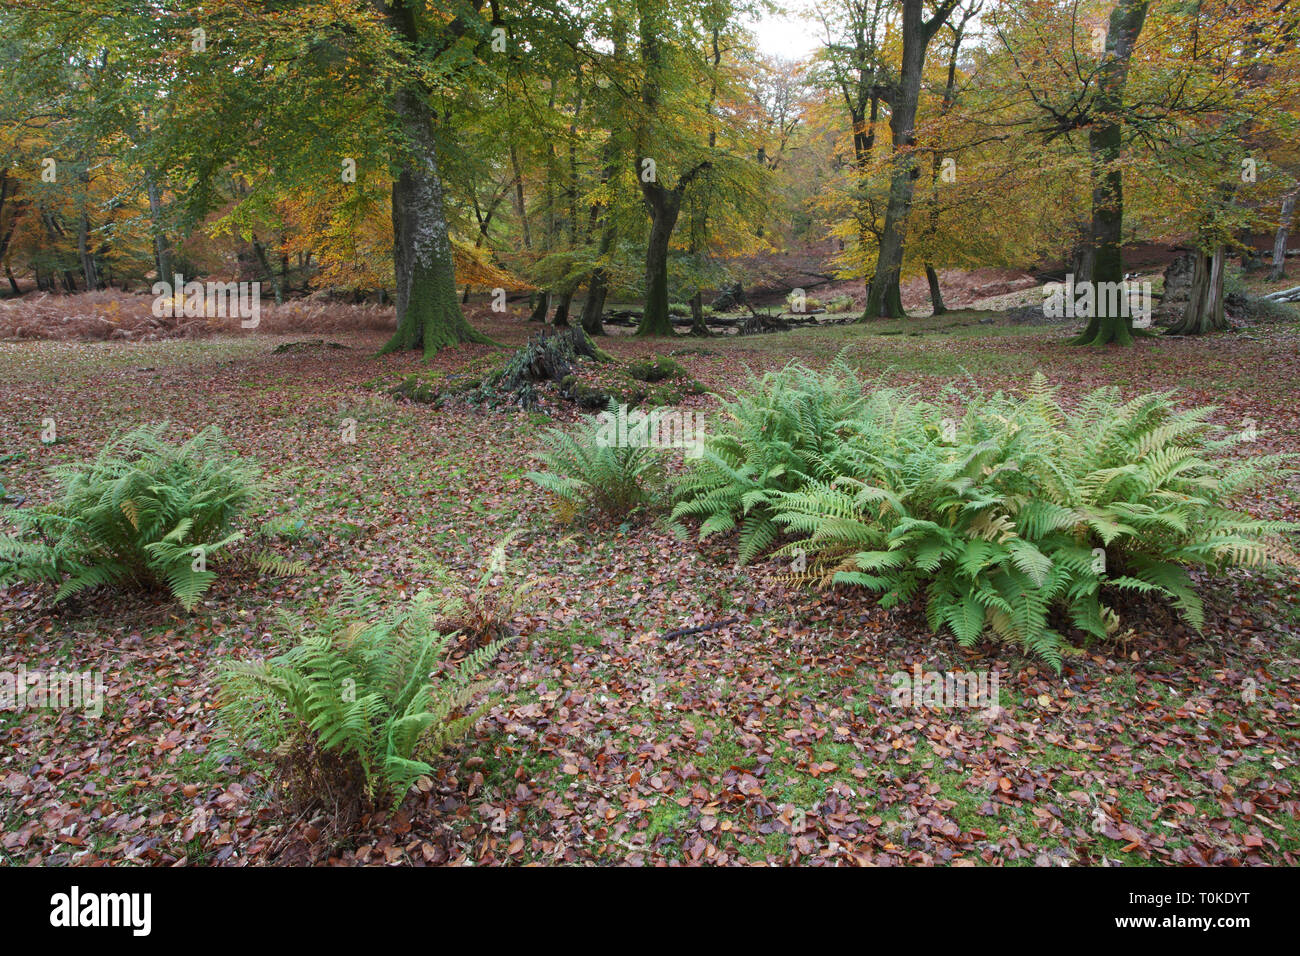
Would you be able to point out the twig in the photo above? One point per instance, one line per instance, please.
(673, 635)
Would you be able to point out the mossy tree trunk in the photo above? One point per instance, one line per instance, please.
(561, 318)
(1107, 324)
(1105, 147)
(428, 315)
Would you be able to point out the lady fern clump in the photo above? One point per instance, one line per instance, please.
(587, 471)
(142, 512)
(1015, 519)
(362, 703)
(775, 437)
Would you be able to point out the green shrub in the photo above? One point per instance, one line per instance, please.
(588, 470)
(1013, 519)
(775, 437)
(143, 512)
(352, 710)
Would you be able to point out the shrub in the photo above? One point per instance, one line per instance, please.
(143, 512)
(351, 713)
(776, 437)
(1013, 519)
(587, 470)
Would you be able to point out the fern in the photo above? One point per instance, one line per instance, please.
(586, 472)
(998, 521)
(783, 433)
(143, 511)
(356, 692)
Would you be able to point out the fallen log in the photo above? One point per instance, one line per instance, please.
(1284, 295)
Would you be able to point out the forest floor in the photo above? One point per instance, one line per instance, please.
(769, 740)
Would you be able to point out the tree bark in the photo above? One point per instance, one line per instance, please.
(428, 315)
(88, 271)
(561, 318)
(593, 308)
(259, 251)
(1105, 147)
(936, 295)
(162, 250)
(541, 306)
(520, 209)
(8, 190)
(699, 327)
(662, 204)
(884, 299)
(1204, 311)
(665, 207)
(1279, 241)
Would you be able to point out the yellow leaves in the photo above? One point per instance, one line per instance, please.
(990, 526)
(473, 268)
(351, 238)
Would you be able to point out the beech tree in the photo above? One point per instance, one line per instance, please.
(883, 298)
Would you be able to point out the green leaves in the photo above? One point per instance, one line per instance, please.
(359, 687)
(590, 471)
(1025, 510)
(142, 511)
(777, 437)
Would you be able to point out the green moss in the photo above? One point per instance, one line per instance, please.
(655, 369)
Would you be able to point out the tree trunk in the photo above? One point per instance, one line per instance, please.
(936, 295)
(1279, 241)
(1105, 146)
(13, 283)
(8, 190)
(259, 251)
(1107, 237)
(541, 305)
(1204, 311)
(655, 320)
(593, 308)
(699, 327)
(662, 204)
(884, 298)
(520, 209)
(428, 315)
(561, 319)
(88, 270)
(1081, 262)
(162, 250)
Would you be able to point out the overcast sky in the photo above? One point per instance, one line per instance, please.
(790, 38)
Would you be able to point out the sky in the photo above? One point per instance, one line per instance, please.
(788, 37)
